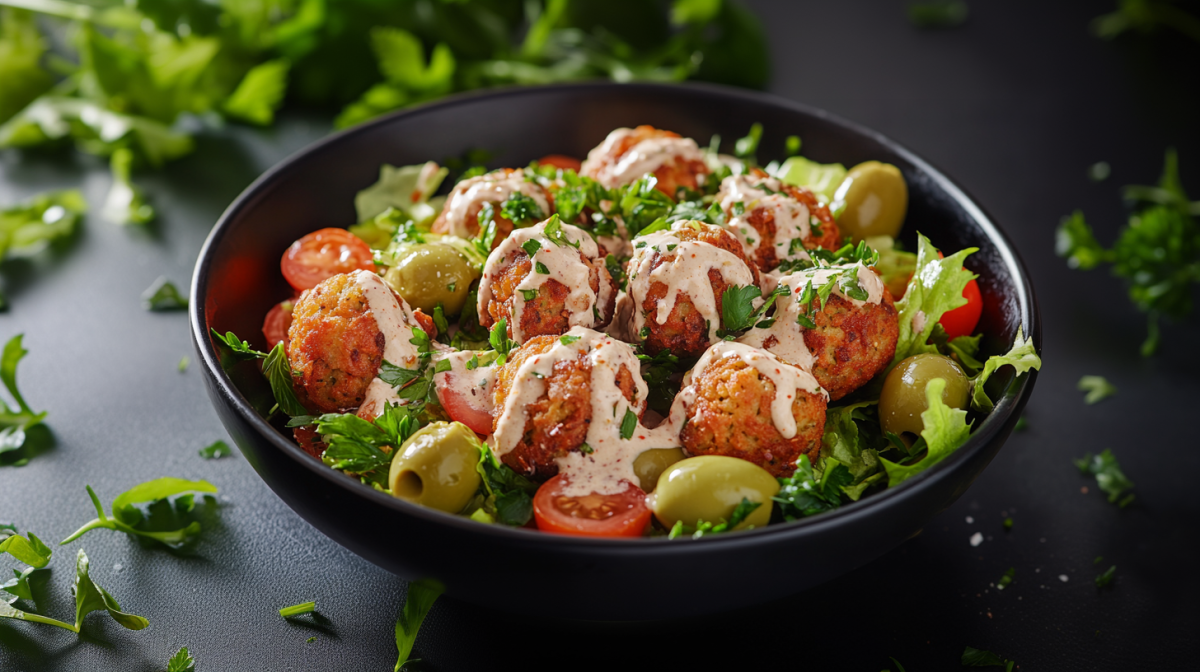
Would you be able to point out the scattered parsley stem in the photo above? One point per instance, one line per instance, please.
(126, 516)
(298, 609)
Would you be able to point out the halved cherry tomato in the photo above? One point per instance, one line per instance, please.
(962, 320)
(323, 254)
(277, 322)
(458, 404)
(621, 515)
(561, 161)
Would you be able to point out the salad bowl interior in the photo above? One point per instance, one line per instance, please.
(237, 280)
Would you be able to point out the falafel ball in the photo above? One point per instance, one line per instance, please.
(853, 338)
(677, 278)
(545, 279)
(733, 405)
(774, 220)
(629, 153)
(335, 347)
(543, 397)
(460, 216)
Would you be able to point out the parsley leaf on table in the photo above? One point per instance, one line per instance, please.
(216, 450)
(26, 228)
(14, 421)
(163, 295)
(938, 13)
(1106, 579)
(156, 510)
(89, 597)
(1108, 475)
(417, 603)
(1097, 387)
(182, 661)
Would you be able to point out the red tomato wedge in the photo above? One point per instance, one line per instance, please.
(561, 161)
(458, 403)
(962, 320)
(621, 515)
(324, 254)
(275, 326)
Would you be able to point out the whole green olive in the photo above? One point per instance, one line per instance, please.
(872, 200)
(902, 400)
(651, 464)
(436, 467)
(709, 488)
(429, 274)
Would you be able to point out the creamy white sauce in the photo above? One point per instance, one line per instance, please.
(684, 272)
(792, 218)
(643, 157)
(395, 320)
(611, 459)
(787, 379)
(495, 187)
(564, 265)
(789, 335)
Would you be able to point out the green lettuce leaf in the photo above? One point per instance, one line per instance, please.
(945, 430)
(407, 189)
(936, 287)
(1021, 357)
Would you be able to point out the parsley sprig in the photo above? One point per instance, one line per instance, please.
(738, 312)
(521, 210)
(704, 528)
(162, 510)
(1157, 252)
(17, 417)
(89, 597)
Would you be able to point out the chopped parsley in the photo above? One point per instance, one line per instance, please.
(487, 230)
(182, 661)
(183, 364)
(567, 339)
(803, 494)
(704, 528)
(529, 294)
(586, 449)
(541, 269)
(1006, 580)
(554, 232)
(365, 447)
(628, 424)
(1108, 475)
(1106, 579)
(738, 312)
(500, 342)
(298, 609)
(521, 210)
(1097, 388)
(531, 246)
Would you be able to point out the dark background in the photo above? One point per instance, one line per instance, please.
(1014, 105)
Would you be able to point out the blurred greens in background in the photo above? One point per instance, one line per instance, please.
(132, 79)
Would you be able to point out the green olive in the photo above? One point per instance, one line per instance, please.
(872, 200)
(709, 488)
(426, 275)
(651, 464)
(436, 467)
(903, 398)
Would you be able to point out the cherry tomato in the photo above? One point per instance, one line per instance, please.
(962, 320)
(458, 404)
(323, 254)
(277, 322)
(561, 161)
(621, 515)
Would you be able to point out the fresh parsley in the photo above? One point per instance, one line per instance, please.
(531, 247)
(182, 661)
(640, 204)
(629, 424)
(163, 295)
(554, 233)
(279, 375)
(487, 230)
(1106, 579)
(508, 495)
(738, 312)
(521, 210)
(1157, 252)
(46, 218)
(216, 450)
(804, 494)
(972, 657)
(658, 371)
(162, 510)
(89, 597)
(1006, 580)
(1108, 475)
(365, 447)
(15, 417)
(1097, 388)
(938, 13)
(417, 603)
(704, 528)
(500, 342)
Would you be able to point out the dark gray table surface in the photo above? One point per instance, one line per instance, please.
(1015, 106)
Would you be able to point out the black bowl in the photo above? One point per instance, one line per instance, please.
(237, 280)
